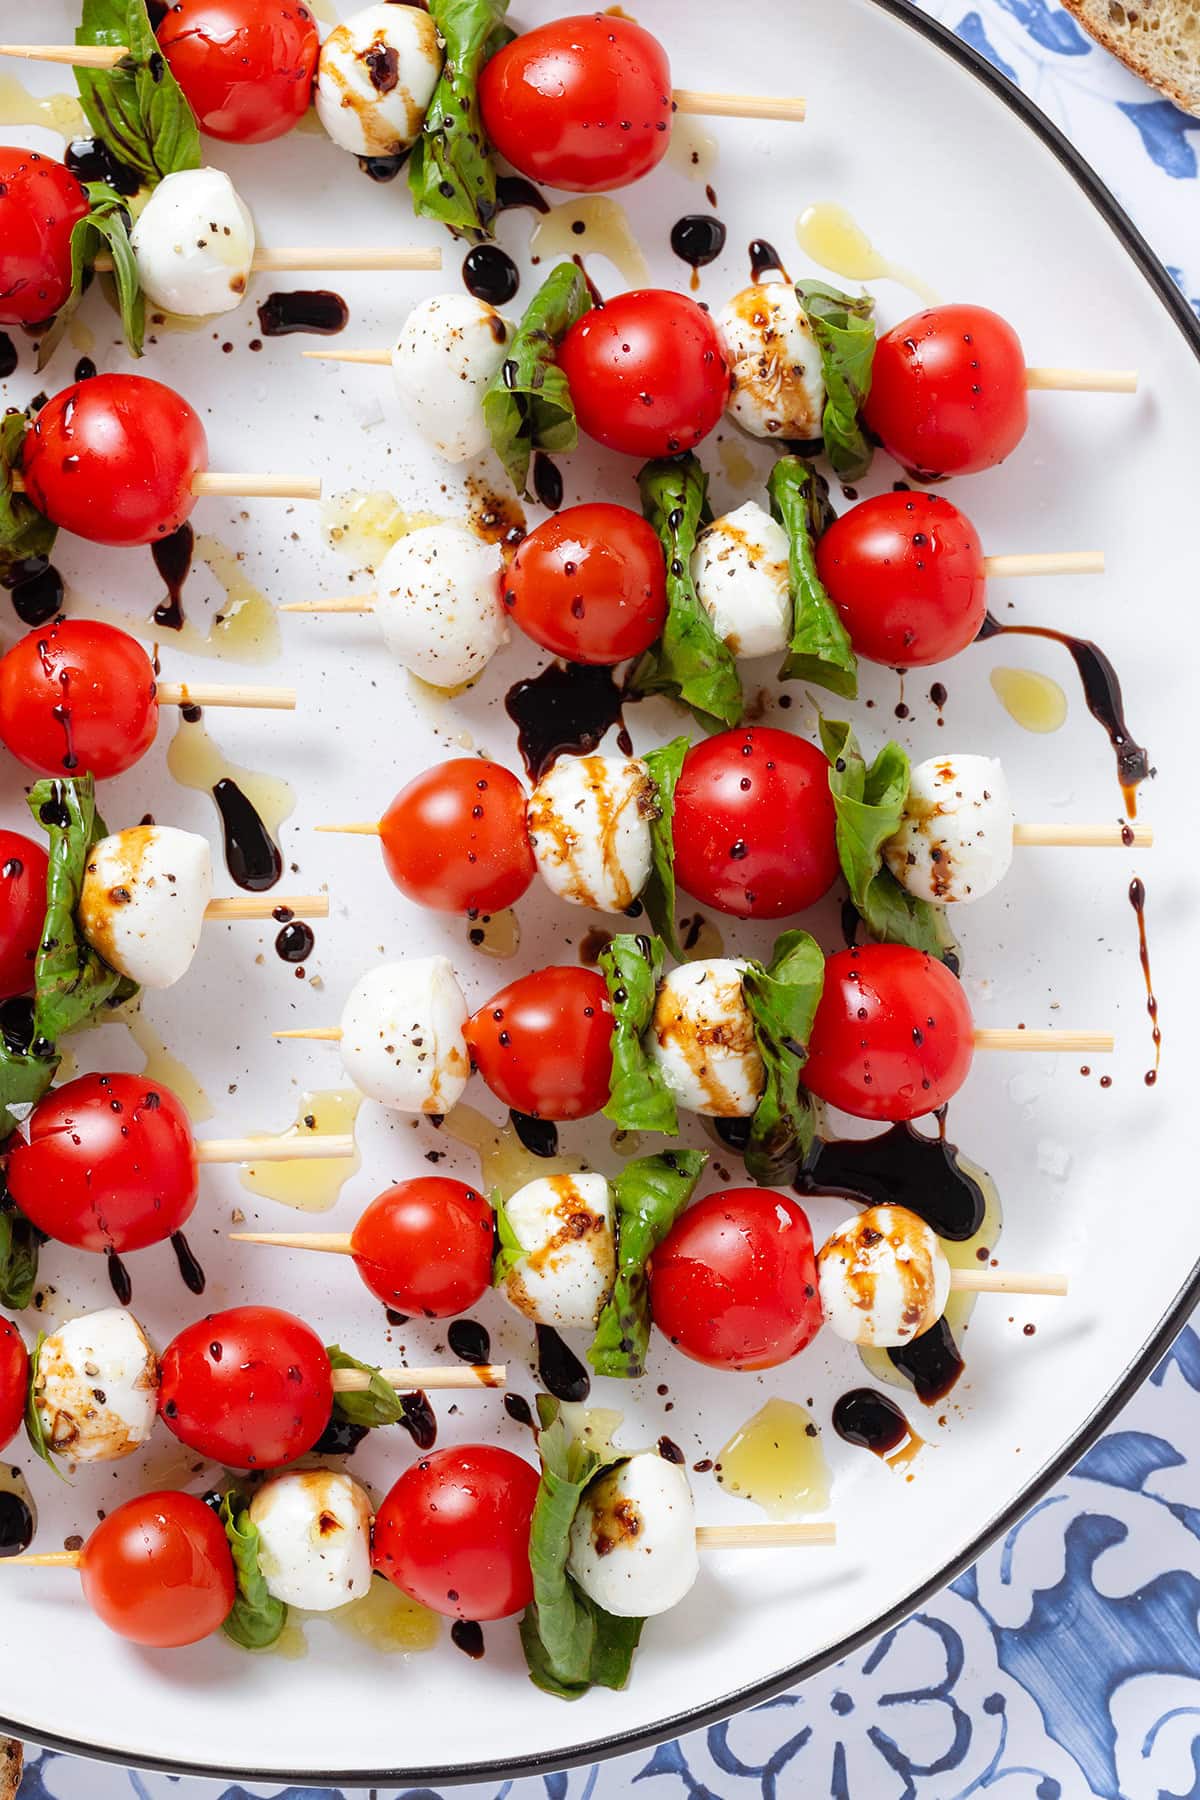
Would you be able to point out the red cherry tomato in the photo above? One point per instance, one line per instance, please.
(113, 459)
(41, 202)
(589, 584)
(647, 373)
(425, 1246)
(77, 695)
(734, 1282)
(906, 573)
(23, 867)
(754, 824)
(893, 1036)
(544, 1043)
(14, 1381)
(453, 1532)
(454, 839)
(246, 67)
(109, 1166)
(948, 393)
(158, 1570)
(250, 1388)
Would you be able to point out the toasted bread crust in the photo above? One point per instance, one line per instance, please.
(1122, 28)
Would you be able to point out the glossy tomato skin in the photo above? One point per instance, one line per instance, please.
(544, 1043)
(948, 393)
(425, 1246)
(23, 866)
(158, 1570)
(647, 373)
(77, 697)
(41, 202)
(906, 572)
(893, 1036)
(453, 1532)
(14, 1381)
(113, 459)
(734, 1283)
(455, 840)
(754, 824)
(246, 67)
(589, 584)
(109, 1165)
(250, 1387)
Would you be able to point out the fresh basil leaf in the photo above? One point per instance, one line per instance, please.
(137, 110)
(528, 404)
(24, 531)
(378, 1404)
(819, 648)
(658, 895)
(638, 1096)
(782, 999)
(509, 1249)
(451, 173)
(649, 1194)
(256, 1619)
(844, 327)
(35, 1429)
(20, 1243)
(107, 225)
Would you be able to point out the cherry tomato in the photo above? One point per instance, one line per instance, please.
(23, 868)
(734, 1282)
(14, 1381)
(425, 1246)
(589, 584)
(454, 839)
(250, 1388)
(158, 1570)
(246, 67)
(41, 202)
(544, 1043)
(906, 572)
(948, 392)
(453, 1532)
(77, 696)
(647, 373)
(113, 459)
(583, 103)
(754, 824)
(893, 1036)
(109, 1165)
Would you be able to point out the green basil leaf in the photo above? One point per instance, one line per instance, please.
(528, 404)
(24, 531)
(256, 1619)
(71, 980)
(509, 1250)
(658, 895)
(649, 1194)
(451, 173)
(35, 1429)
(819, 648)
(20, 1242)
(844, 327)
(378, 1404)
(638, 1096)
(782, 1000)
(107, 225)
(137, 110)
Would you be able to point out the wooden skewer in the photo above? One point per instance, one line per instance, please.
(1069, 837)
(250, 487)
(363, 829)
(1046, 562)
(332, 257)
(79, 56)
(1083, 381)
(319, 1034)
(188, 693)
(465, 1375)
(265, 906)
(344, 603)
(990, 1038)
(275, 1149)
(379, 359)
(334, 1243)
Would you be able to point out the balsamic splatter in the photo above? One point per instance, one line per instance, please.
(469, 1341)
(315, 310)
(869, 1419)
(173, 560)
(561, 1372)
(567, 709)
(899, 1167)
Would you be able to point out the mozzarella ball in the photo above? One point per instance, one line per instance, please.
(589, 825)
(740, 568)
(955, 841)
(884, 1279)
(376, 77)
(437, 599)
(97, 1387)
(564, 1224)
(447, 355)
(314, 1538)
(402, 1036)
(194, 244)
(702, 1038)
(144, 896)
(633, 1539)
(777, 389)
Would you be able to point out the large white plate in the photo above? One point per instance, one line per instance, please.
(956, 176)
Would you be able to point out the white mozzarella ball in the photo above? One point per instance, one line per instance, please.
(447, 355)
(97, 1387)
(633, 1539)
(314, 1538)
(589, 825)
(145, 892)
(376, 77)
(777, 389)
(194, 244)
(955, 840)
(702, 1038)
(884, 1278)
(740, 568)
(402, 1036)
(437, 599)
(564, 1224)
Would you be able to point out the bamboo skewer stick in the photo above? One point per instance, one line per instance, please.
(266, 906)
(986, 1038)
(318, 1034)
(333, 257)
(187, 693)
(275, 1149)
(1083, 381)
(363, 829)
(1046, 562)
(1067, 836)
(249, 487)
(465, 1375)
(378, 359)
(78, 56)
(333, 1243)
(344, 603)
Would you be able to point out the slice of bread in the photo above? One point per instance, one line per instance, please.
(1159, 39)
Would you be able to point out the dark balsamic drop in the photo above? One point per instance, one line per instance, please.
(591, 945)
(733, 1133)
(490, 274)
(469, 1341)
(467, 1636)
(383, 66)
(561, 1372)
(763, 257)
(670, 1452)
(16, 1524)
(850, 922)
(16, 1025)
(547, 481)
(295, 942)
(1137, 899)
(8, 356)
(932, 1362)
(395, 1318)
(340, 1438)
(90, 160)
(189, 1268)
(85, 369)
(899, 1167)
(382, 168)
(308, 309)
(518, 1409)
(419, 1420)
(871, 1420)
(36, 588)
(539, 1136)
(251, 854)
(513, 191)
(698, 239)
(118, 1275)
(568, 708)
(173, 560)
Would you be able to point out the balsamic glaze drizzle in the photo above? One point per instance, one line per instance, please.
(469, 1341)
(118, 1275)
(252, 856)
(519, 1410)
(513, 191)
(490, 274)
(467, 1636)
(173, 560)
(698, 239)
(899, 1167)
(8, 356)
(36, 588)
(296, 942)
(16, 1524)
(931, 1362)
(308, 309)
(189, 1268)
(869, 1419)
(569, 707)
(539, 1136)
(1137, 899)
(418, 1419)
(559, 1369)
(764, 256)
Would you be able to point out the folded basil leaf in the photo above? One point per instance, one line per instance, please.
(509, 1249)
(690, 662)
(528, 404)
(638, 1096)
(71, 980)
(25, 533)
(451, 173)
(819, 647)
(782, 999)
(378, 1404)
(658, 895)
(20, 1243)
(843, 325)
(649, 1194)
(256, 1619)
(137, 110)
(35, 1429)
(570, 1643)
(106, 227)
